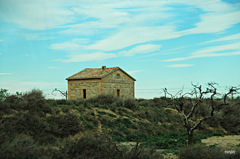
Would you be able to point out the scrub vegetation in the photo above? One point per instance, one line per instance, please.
(34, 127)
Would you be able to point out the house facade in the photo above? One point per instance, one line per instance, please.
(92, 82)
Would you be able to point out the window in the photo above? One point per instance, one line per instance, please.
(118, 76)
(84, 93)
(118, 92)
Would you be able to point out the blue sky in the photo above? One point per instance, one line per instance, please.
(161, 43)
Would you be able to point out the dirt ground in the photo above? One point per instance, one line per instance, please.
(225, 141)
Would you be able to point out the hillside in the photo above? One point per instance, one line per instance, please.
(51, 125)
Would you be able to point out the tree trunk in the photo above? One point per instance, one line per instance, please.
(190, 138)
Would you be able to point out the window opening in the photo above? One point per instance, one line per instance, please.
(118, 76)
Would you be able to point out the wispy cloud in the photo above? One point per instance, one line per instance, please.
(73, 45)
(226, 38)
(1, 40)
(89, 57)
(135, 71)
(180, 65)
(132, 36)
(213, 51)
(36, 36)
(35, 15)
(5, 73)
(215, 22)
(68, 46)
(147, 48)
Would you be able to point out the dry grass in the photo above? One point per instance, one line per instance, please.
(225, 141)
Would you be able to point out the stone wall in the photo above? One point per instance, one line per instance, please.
(75, 88)
(118, 81)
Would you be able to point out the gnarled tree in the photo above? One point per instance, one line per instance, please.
(187, 103)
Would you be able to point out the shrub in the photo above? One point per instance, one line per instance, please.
(3, 93)
(61, 102)
(4, 108)
(64, 125)
(21, 147)
(15, 102)
(75, 102)
(200, 152)
(102, 99)
(35, 102)
(22, 123)
(130, 104)
(89, 147)
(98, 147)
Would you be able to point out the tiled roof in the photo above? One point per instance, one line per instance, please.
(91, 73)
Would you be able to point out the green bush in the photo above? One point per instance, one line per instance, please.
(3, 94)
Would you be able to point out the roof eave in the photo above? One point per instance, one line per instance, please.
(69, 79)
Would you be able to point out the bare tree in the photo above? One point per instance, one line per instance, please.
(65, 94)
(186, 104)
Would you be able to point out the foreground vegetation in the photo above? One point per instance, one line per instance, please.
(33, 127)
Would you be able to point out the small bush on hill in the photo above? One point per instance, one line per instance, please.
(64, 125)
(15, 102)
(35, 102)
(102, 99)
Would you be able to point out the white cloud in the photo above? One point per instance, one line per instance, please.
(5, 73)
(89, 57)
(147, 48)
(180, 65)
(113, 15)
(215, 22)
(135, 35)
(35, 15)
(69, 46)
(210, 6)
(36, 36)
(213, 51)
(204, 55)
(226, 38)
(1, 40)
(0, 53)
(133, 72)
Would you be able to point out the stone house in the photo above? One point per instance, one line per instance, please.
(91, 82)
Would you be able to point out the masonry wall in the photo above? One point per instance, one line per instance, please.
(75, 88)
(118, 81)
